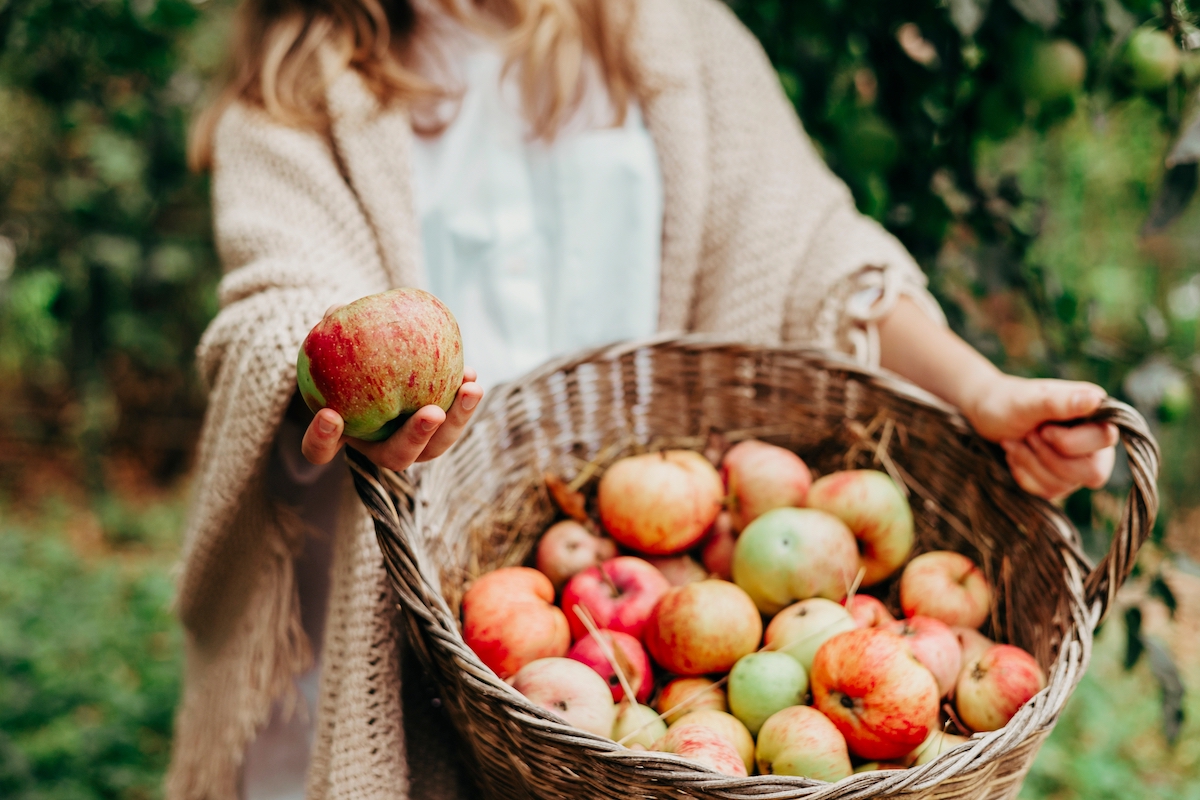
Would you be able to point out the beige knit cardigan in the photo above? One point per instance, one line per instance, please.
(760, 242)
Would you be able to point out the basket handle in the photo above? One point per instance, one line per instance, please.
(1141, 507)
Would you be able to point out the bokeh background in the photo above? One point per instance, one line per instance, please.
(1038, 157)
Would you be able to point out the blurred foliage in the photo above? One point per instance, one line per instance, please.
(1037, 156)
(89, 667)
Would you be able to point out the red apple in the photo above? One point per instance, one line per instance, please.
(509, 619)
(760, 477)
(868, 611)
(934, 645)
(630, 655)
(717, 554)
(946, 586)
(878, 695)
(726, 725)
(993, 688)
(875, 511)
(792, 554)
(567, 548)
(680, 569)
(703, 627)
(801, 628)
(704, 746)
(803, 742)
(570, 691)
(620, 594)
(697, 693)
(660, 503)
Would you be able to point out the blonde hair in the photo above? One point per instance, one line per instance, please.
(276, 59)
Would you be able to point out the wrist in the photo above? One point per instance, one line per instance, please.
(978, 387)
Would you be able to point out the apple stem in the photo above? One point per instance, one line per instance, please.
(857, 582)
(608, 580)
(606, 650)
(953, 717)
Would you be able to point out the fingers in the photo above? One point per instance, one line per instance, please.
(332, 309)
(1090, 470)
(323, 438)
(400, 450)
(1031, 475)
(1079, 440)
(460, 414)
(469, 375)
(1047, 400)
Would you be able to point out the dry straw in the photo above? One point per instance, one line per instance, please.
(483, 505)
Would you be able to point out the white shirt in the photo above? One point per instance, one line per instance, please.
(538, 248)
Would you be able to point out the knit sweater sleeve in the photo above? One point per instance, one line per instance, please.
(293, 241)
(833, 271)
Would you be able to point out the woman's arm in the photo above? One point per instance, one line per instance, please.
(1046, 459)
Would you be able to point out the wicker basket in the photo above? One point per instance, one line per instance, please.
(483, 505)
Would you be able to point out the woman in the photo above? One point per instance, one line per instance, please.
(562, 173)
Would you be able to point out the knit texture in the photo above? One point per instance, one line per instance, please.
(760, 243)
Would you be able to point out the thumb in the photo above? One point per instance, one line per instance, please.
(1046, 400)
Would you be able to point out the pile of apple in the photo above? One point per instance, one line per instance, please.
(764, 655)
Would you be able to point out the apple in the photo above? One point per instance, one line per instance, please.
(660, 503)
(571, 691)
(640, 723)
(876, 766)
(792, 554)
(717, 553)
(568, 548)
(379, 359)
(704, 746)
(801, 628)
(868, 611)
(620, 594)
(878, 695)
(801, 741)
(760, 477)
(946, 586)
(934, 645)
(936, 743)
(630, 655)
(973, 643)
(703, 627)
(993, 687)
(875, 511)
(727, 725)
(762, 683)
(698, 694)
(679, 569)
(509, 620)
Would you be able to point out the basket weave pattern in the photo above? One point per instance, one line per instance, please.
(483, 505)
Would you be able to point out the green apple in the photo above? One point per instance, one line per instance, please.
(1152, 59)
(762, 683)
(936, 743)
(802, 627)
(1052, 70)
(641, 721)
(803, 742)
(791, 554)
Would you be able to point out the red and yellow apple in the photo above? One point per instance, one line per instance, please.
(801, 628)
(724, 724)
(717, 553)
(934, 645)
(792, 554)
(760, 477)
(693, 694)
(569, 690)
(762, 683)
(630, 656)
(973, 643)
(875, 511)
(702, 628)
(567, 548)
(620, 594)
(679, 569)
(803, 742)
(509, 619)
(868, 611)
(935, 744)
(379, 359)
(878, 695)
(660, 503)
(704, 746)
(993, 688)
(947, 586)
